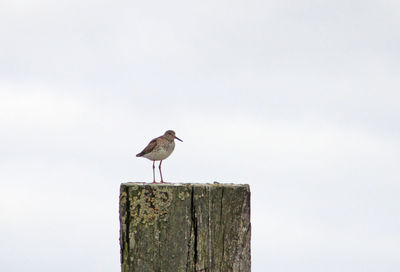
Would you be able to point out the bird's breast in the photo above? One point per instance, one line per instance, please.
(161, 152)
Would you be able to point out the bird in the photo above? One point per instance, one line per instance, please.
(159, 149)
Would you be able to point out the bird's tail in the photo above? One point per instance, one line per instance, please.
(139, 154)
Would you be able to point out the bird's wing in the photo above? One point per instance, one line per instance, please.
(148, 148)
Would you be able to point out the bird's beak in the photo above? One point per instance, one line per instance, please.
(178, 139)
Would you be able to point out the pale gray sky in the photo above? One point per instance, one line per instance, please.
(300, 99)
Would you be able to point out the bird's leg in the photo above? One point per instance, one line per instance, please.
(154, 178)
(159, 167)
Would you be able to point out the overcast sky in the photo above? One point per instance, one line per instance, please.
(299, 99)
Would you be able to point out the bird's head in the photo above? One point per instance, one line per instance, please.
(170, 135)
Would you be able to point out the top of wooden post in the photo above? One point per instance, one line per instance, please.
(214, 184)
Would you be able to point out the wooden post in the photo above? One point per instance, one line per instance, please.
(185, 227)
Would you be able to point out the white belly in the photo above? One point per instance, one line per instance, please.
(160, 153)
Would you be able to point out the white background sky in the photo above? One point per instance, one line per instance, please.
(300, 99)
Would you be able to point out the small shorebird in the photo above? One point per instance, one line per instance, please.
(159, 149)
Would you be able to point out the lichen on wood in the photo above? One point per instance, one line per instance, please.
(185, 227)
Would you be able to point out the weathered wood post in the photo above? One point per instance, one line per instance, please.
(185, 227)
